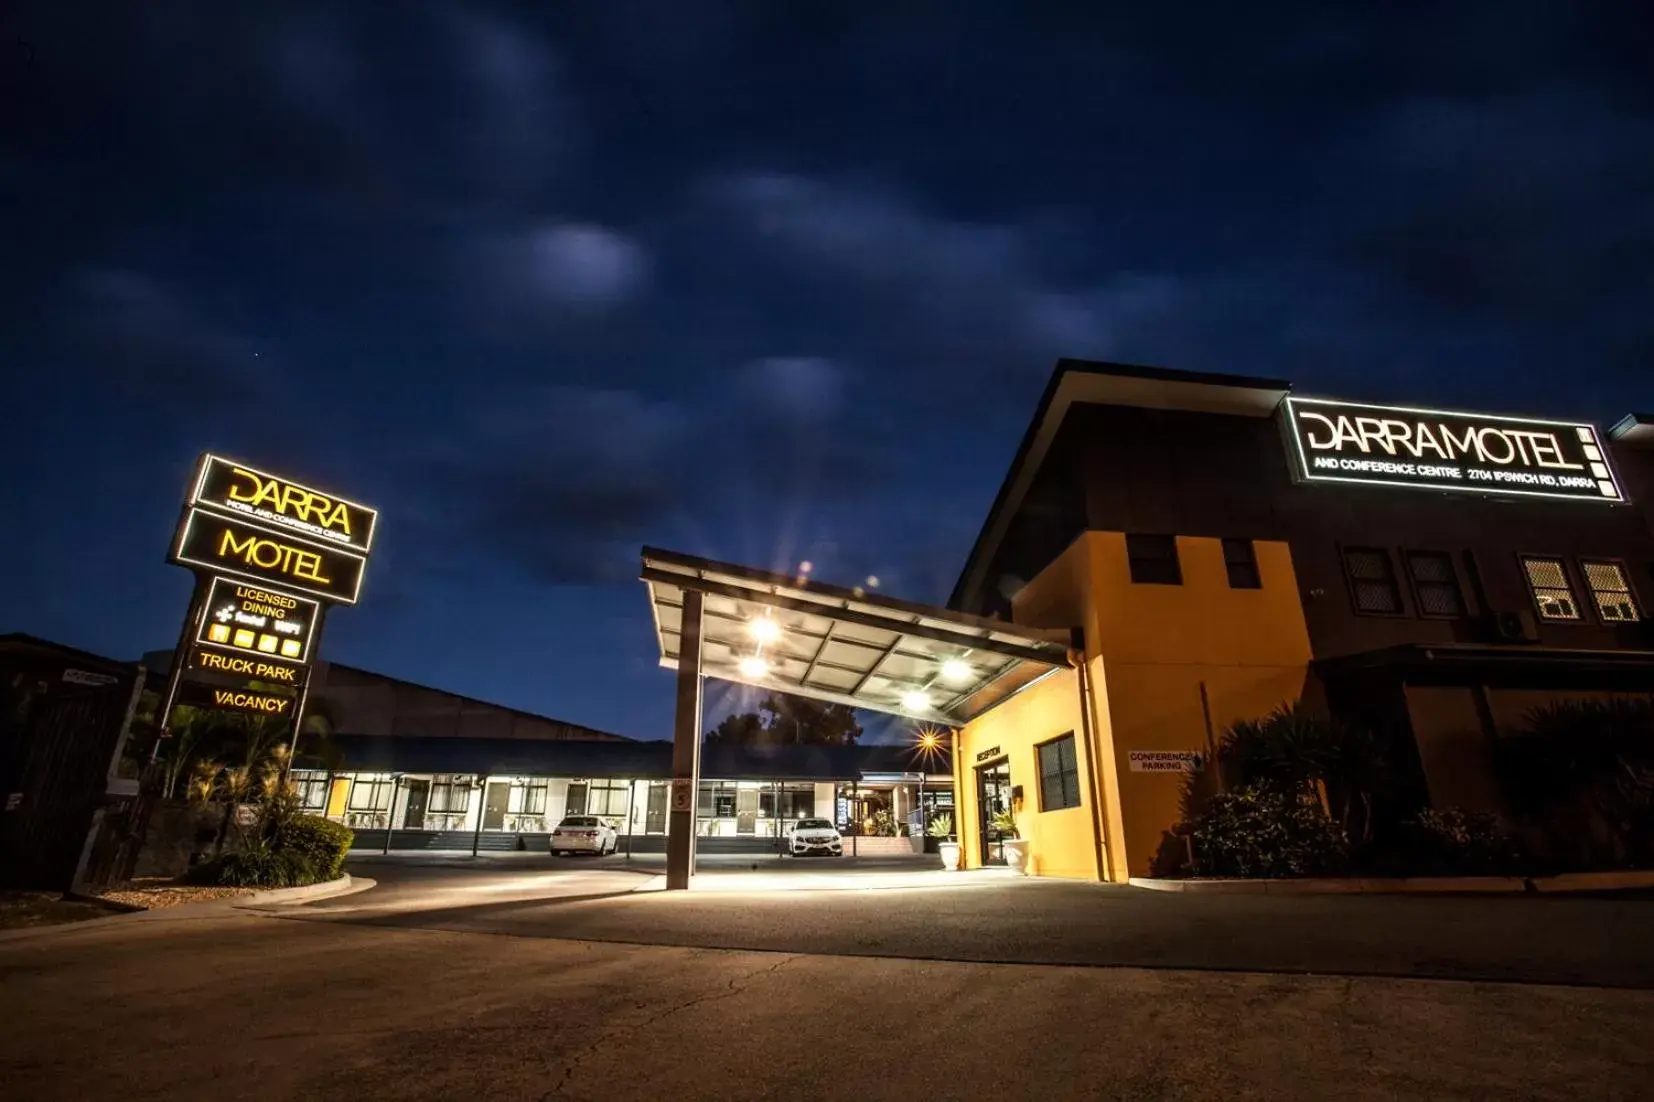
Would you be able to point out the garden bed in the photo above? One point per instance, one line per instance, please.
(154, 893)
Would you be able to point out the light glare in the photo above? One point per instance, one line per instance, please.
(753, 666)
(916, 701)
(765, 630)
(956, 671)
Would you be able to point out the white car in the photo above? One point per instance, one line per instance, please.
(814, 836)
(583, 834)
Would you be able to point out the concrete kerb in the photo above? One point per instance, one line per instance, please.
(344, 885)
(1622, 880)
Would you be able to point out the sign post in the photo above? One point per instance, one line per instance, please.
(269, 557)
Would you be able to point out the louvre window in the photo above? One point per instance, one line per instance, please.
(1059, 776)
(1372, 580)
(1240, 560)
(1435, 586)
(1553, 596)
(1153, 560)
(1611, 591)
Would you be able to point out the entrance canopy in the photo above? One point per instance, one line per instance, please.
(844, 646)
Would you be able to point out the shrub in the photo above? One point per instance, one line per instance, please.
(258, 866)
(1262, 832)
(941, 826)
(320, 842)
(1455, 842)
(1294, 749)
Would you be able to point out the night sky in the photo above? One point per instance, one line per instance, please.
(769, 282)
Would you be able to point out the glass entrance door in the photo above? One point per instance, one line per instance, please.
(993, 796)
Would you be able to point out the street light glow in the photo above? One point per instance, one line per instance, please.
(753, 666)
(764, 629)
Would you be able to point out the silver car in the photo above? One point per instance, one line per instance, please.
(814, 837)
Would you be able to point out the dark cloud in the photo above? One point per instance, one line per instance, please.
(775, 283)
(135, 335)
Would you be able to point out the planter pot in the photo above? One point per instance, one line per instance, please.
(1016, 854)
(950, 855)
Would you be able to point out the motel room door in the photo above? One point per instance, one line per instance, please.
(654, 816)
(413, 813)
(494, 804)
(993, 795)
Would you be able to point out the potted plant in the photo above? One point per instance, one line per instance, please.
(1011, 844)
(941, 828)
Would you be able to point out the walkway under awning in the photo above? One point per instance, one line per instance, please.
(844, 646)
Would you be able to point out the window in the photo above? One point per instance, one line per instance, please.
(527, 799)
(450, 796)
(1612, 592)
(1372, 581)
(1059, 777)
(1435, 586)
(603, 797)
(1553, 596)
(1153, 560)
(1241, 562)
(311, 789)
(370, 795)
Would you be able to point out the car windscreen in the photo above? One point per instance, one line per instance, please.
(813, 824)
(580, 821)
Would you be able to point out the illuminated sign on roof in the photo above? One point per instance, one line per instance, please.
(1448, 450)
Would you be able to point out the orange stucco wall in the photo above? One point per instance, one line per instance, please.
(1183, 662)
(1170, 667)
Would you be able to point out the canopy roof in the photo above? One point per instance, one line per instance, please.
(845, 646)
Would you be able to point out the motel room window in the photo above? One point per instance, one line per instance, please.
(450, 796)
(1553, 595)
(1373, 585)
(1153, 560)
(527, 799)
(1059, 775)
(1435, 585)
(370, 795)
(311, 789)
(1611, 590)
(605, 797)
(1240, 561)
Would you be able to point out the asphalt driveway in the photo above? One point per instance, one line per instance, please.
(453, 980)
(916, 912)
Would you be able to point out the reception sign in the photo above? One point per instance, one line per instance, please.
(1448, 450)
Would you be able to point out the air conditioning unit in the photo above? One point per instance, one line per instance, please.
(1516, 626)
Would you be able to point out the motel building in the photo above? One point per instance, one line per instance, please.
(1173, 552)
(1169, 553)
(415, 769)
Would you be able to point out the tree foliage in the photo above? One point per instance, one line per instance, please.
(782, 720)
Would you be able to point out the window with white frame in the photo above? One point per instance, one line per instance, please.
(1553, 594)
(311, 789)
(528, 798)
(598, 797)
(370, 794)
(1611, 590)
(450, 796)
